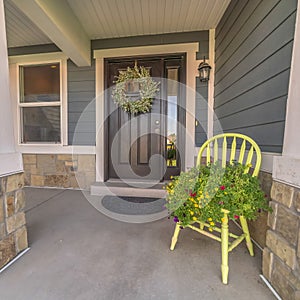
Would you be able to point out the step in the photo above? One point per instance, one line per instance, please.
(129, 188)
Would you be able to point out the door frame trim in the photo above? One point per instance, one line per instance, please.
(191, 73)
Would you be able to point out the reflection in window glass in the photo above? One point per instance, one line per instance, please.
(41, 124)
(40, 83)
(172, 96)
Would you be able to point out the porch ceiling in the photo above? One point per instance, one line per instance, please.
(115, 18)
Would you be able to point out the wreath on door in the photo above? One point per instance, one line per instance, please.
(135, 90)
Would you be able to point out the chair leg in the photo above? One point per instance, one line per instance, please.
(224, 244)
(247, 235)
(175, 236)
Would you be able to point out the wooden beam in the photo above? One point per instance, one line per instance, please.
(56, 19)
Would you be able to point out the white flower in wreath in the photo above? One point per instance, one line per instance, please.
(135, 90)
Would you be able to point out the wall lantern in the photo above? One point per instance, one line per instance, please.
(204, 71)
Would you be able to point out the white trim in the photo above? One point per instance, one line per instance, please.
(291, 143)
(55, 149)
(32, 59)
(191, 73)
(11, 163)
(287, 167)
(64, 101)
(37, 58)
(267, 161)
(211, 84)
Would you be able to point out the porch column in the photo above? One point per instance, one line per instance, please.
(13, 233)
(10, 161)
(281, 255)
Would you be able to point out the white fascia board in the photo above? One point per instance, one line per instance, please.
(56, 19)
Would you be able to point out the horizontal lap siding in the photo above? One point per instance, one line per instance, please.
(254, 43)
(81, 105)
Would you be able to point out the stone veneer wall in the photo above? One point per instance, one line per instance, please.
(60, 170)
(258, 228)
(13, 233)
(281, 256)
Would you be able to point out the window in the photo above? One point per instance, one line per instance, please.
(40, 103)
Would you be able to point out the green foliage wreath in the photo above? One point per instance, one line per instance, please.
(147, 90)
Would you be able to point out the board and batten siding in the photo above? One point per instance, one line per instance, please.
(81, 105)
(254, 41)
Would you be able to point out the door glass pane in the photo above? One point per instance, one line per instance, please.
(172, 96)
(41, 124)
(40, 83)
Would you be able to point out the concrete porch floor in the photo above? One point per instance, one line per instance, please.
(78, 253)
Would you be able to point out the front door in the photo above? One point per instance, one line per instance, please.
(147, 146)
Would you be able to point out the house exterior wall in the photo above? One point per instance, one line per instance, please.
(60, 170)
(254, 41)
(254, 49)
(81, 93)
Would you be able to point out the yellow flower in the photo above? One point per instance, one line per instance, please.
(210, 229)
(223, 219)
(196, 205)
(191, 212)
(209, 219)
(225, 193)
(211, 223)
(194, 219)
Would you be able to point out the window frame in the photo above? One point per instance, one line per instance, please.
(34, 60)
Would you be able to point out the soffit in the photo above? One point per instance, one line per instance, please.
(121, 18)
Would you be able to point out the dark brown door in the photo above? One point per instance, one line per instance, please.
(144, 146)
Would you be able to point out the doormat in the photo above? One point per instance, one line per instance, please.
(133, 209)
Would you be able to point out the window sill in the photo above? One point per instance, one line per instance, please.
(55, 149)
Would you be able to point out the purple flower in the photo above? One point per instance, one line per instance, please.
(176, 220)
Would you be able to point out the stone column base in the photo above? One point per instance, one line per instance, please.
(13, 233)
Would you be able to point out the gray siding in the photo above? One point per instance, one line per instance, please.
(158, 39)
(81, 105)
(81, 81)
(254, 41)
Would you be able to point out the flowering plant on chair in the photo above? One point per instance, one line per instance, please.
(201, 193)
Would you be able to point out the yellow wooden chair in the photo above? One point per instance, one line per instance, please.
(245, 151)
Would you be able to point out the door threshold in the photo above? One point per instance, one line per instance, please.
(121, 188)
